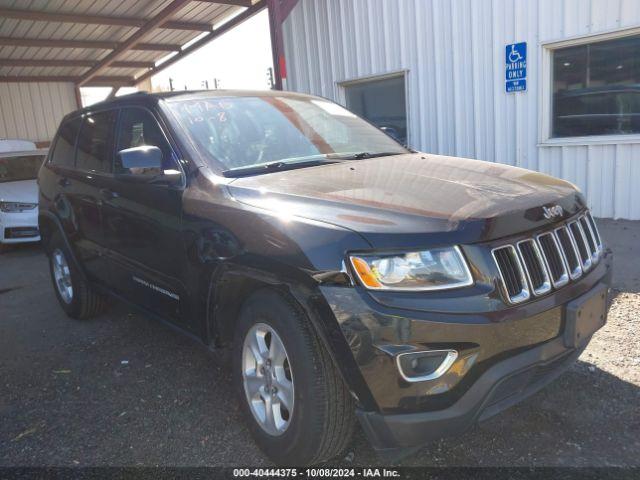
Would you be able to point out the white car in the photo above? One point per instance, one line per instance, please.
(19, 165)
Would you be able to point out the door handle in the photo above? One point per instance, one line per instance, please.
(108, 194)
(64, 182)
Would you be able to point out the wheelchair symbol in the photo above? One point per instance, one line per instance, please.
(514, 55)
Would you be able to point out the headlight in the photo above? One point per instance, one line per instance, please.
(13, 207)
(434, 269)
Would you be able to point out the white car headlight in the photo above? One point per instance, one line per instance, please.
(14, 207)
(433, 269)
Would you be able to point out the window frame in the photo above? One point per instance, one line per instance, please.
(52, 148)
(163, 130)
(113, 139)
(342, 85)
(548, 48)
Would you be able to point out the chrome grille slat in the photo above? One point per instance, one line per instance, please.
(594, 230)
(575, 229)
(511, 273)
(534, 266)
(594, 243)
(569, 252)
(554, 259)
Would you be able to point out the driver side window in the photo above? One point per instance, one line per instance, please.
(139, 128)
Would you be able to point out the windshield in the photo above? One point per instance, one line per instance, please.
(15, 169)
(242, 132)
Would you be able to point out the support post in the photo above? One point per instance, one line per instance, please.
(78, 96)
(279, 10)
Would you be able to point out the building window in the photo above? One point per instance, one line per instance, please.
(382, 101)
(596, 88)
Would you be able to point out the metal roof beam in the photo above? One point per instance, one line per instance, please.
(237, 3)
(235, 21)
(95, 81)
(27, 62)
(39, 16)
(39, 42)
(134, 39)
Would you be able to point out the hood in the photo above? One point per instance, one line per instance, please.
(23, 191)
(413, 194)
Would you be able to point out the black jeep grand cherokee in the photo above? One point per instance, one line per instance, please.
(346, 275)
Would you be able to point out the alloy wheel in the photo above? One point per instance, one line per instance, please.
(62, 276)
(268, 379)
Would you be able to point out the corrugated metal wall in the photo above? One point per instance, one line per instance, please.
(453, 51)
(32, 111)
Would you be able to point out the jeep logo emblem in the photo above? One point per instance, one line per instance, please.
(552, 212)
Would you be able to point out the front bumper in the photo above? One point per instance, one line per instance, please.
(19, 227)
(500, 387)
(504, 357)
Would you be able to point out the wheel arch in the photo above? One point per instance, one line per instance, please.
(232, 285)
(49, 224)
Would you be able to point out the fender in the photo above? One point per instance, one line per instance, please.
(306, 295)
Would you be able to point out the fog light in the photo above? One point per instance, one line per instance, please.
(426, 365)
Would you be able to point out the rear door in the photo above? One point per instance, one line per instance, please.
(53, 180)
(143, 224)
(86, 186)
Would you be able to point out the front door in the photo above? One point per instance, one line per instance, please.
(142, 224)
(84, 187)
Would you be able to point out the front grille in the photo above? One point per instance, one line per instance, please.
(20, 232)
(22, 207)
(550, 260)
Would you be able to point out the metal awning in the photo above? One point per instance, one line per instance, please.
(106, 42)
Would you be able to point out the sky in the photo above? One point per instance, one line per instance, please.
(239, 59)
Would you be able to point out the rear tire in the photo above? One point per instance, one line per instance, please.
(320, 423)
(76, 296)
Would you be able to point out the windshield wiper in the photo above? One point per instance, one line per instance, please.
(364, 155)
(278, 166)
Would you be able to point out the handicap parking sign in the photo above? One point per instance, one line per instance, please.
(516, 67)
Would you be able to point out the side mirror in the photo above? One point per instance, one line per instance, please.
(144, 165)
(145, 160)
(393, 133)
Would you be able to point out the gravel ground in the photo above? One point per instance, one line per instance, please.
(124, 390)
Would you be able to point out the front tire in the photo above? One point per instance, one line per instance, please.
(297, 405)
(76, 296)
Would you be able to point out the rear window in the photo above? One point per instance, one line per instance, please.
(63, 151)
(16, 169)
(95, 142)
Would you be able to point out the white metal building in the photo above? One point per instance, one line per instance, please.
(578, 119)
(33, 111)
